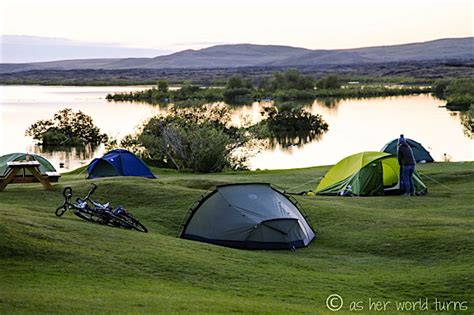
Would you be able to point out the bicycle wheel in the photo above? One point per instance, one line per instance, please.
(88, 215)
(67, 192)
(134, 223)
(61, 210)
(137, 225)
(116, 221)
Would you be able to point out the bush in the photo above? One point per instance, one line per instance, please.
(67, 128)
(236, 95)
(329, 82)
(190, 138)
(458, 93)
(460, 101)
(439, 88)
(290, 80)
(162, 86)
(237, 82)
(289, 124)
(290, 118)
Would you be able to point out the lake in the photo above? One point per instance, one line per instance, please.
(354, 125)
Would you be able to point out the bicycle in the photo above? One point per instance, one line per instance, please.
(98, 213)
(120, 212)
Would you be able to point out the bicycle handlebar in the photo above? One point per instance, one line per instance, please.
(91, 192)
(67, 193)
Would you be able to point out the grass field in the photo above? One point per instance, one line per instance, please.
(393, 249)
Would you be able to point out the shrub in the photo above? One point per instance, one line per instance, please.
(236, 95)
(190, 138)
(162, 86)
(439, 88)
(460, 101)
(291, 80)
(67, 128)
(290, 118)
(458, 93)
(289, 124)
(329, 82)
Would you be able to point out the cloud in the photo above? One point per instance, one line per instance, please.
(25, 48)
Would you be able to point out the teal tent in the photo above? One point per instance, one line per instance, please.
(251, 216)
(44, 167)
(421, 154)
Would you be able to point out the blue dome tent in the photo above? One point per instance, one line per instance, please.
(118, 162)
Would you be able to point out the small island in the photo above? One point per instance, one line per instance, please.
(282, 86)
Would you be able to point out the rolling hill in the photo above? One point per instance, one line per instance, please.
(248, 55)
(384, 248)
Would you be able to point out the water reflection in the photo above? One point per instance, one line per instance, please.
(66, 158)
(367, 124)
(467, 121)
(329, 102)
(290, 141)
(355, 125)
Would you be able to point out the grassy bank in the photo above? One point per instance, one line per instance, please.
(383, 248)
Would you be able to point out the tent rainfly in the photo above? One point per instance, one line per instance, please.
(250, 216)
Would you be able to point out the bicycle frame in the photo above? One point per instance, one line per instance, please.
(88, 209)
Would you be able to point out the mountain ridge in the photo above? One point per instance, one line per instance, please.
(252, 55)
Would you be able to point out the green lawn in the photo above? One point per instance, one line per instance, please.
(384, 248)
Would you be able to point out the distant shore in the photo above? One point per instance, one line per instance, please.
(413, 72)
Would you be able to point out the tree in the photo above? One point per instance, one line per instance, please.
(289, 124)
(439, 88)
(291, 80)
(290, 118)
(67, 128)
(162, 86)
(236, 82)
(458, 93)
(329, 82)
(264, 84)
(237, 89)
(190, 138)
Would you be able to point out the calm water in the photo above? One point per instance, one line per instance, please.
(354, 125)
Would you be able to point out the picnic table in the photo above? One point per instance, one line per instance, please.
(18, 172)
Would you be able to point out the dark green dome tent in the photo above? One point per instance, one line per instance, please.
(251, 216)
(421, 154)
(366, 174)
(44, 167)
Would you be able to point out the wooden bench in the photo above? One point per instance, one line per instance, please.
(27, 172)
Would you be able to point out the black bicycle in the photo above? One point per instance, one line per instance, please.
(90, 210)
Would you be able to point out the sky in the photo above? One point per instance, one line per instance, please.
(174, 25)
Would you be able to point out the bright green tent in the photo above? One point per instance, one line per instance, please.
(366, 174)
(44, 167)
